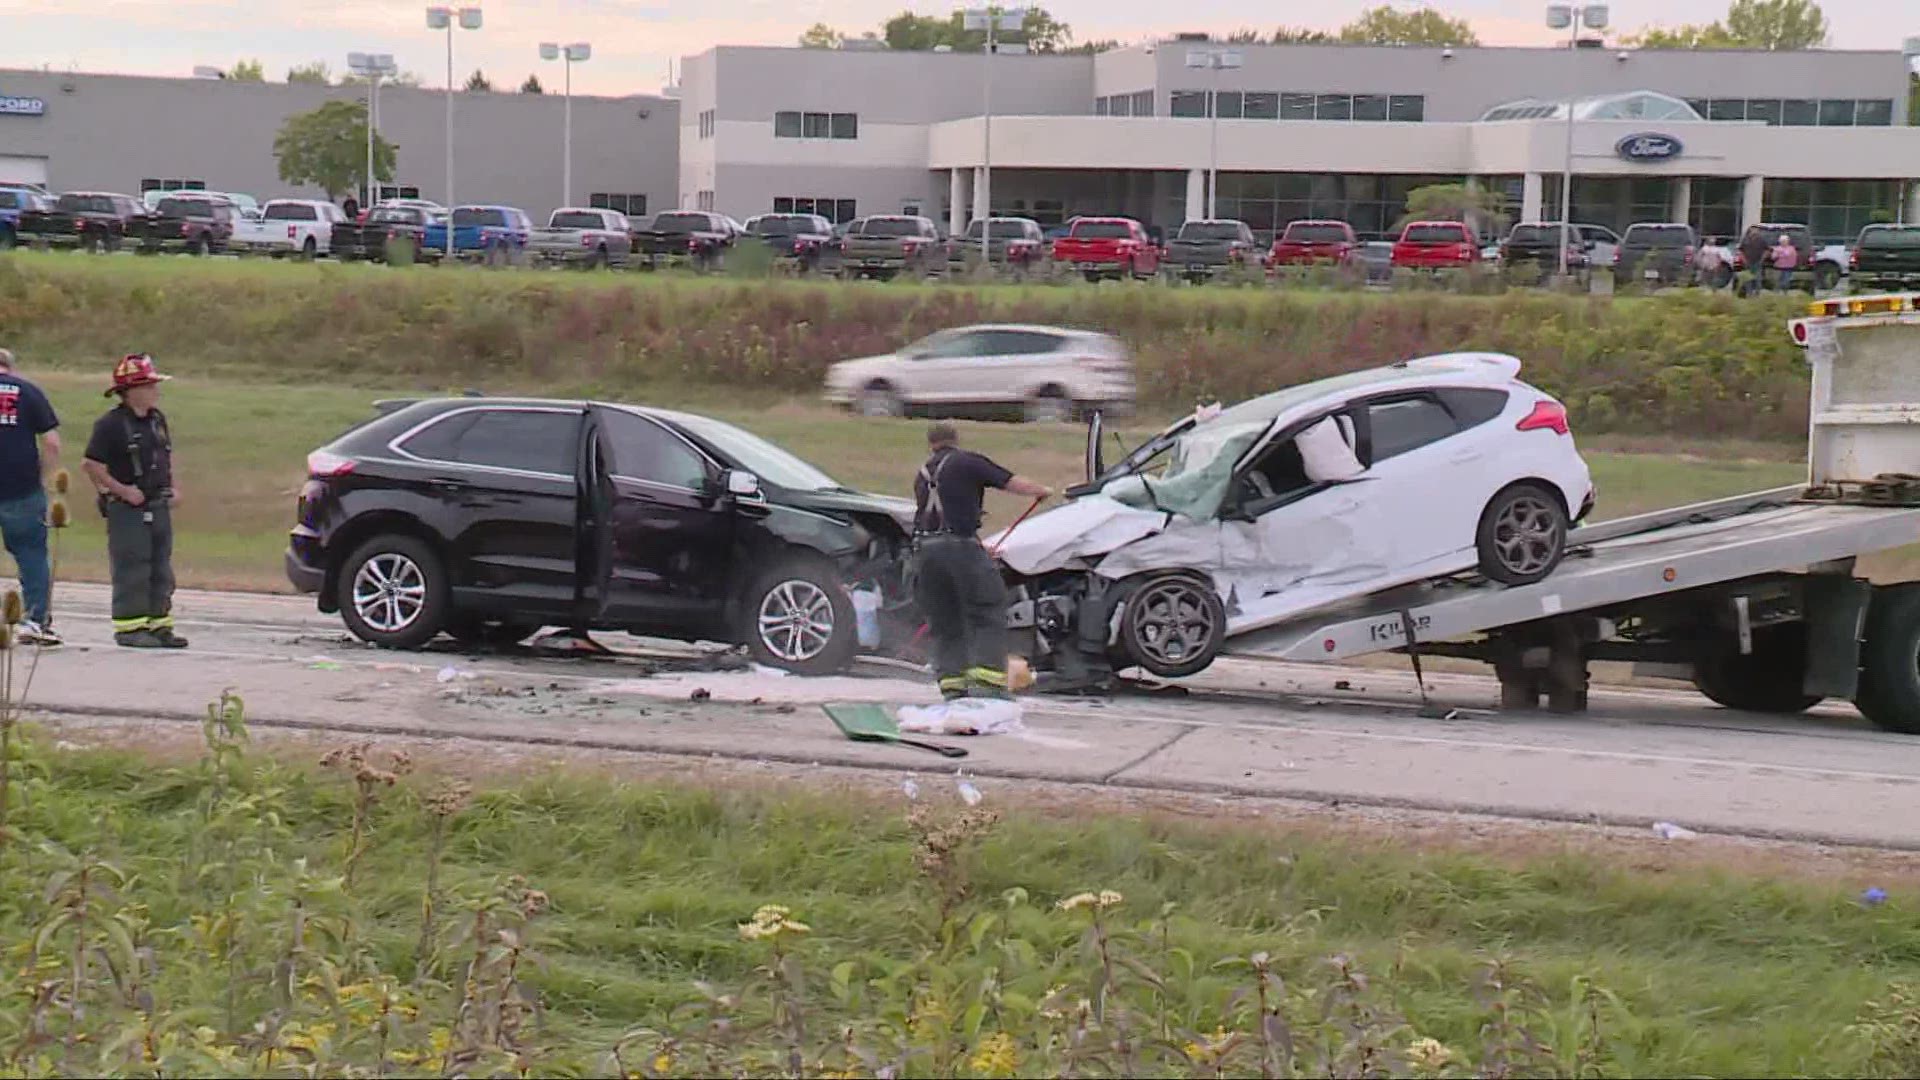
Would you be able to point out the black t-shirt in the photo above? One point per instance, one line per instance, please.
(117, 433)
(25, 415)
(962, 477)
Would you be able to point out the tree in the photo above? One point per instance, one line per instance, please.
(532, 86)
(328, 148)
(1300, 35)
(477, 82)
(1093, 48)
(1774, 25)
(821, 36)
(1244, 36)
(314, 74)
(908, 32)
(247, 71)
(1385, 26)
(1456, 202)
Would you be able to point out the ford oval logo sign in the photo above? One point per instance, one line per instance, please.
(1648, 146)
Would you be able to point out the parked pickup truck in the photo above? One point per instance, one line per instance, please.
(13, 203)
(1314, 243)
(1107, 247)
(91, 220)
(589, 238)
(1537, 246)
(496, 235)
(379, 232)
(1435, 245)
(302, 227)
(690, 236)
(1886, 255)
(1014, 242)
(802, 239)
(888, 244)
(1203, 249)
(195, 224)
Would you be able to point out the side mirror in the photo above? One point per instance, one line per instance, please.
(742, 484)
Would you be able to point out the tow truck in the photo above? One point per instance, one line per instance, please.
(1755, 598)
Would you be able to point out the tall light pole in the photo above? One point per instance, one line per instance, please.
(1216, 61)
(373, 67)
(579, 50)
(444, 18)
(992, 20)
(1571, 18)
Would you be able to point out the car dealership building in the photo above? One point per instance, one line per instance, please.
(1715, 138)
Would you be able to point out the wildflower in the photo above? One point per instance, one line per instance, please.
(772, 921)
(1211, 1048)
(1429, 1054)
(1102, 900)
(662, 1062)
(996, 1056)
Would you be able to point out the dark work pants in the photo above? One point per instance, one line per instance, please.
(140, 554)
(965, 603)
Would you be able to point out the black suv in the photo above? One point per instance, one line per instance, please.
(488, 518)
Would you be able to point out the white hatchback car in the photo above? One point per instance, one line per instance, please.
(1047, 373)
(1238, 519)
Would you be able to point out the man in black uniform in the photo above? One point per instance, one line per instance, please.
(955, 583)
(130, 461)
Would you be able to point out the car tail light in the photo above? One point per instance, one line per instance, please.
(586, 240)
(1547, 415)
(322, 465)
(1853, 258)
(185, 228)
(693, 244)
(290, 232)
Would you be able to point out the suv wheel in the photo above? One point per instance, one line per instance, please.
(393, 592)
(799, 617)
(1522, 535)
(1050, 406)
(1173, 625)
(880, 399)
(199, 246)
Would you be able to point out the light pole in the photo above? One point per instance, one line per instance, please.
(1215, 60)
(992, 20)
(372, 67)
(1571, 18)
(579, 50)
(444, 18)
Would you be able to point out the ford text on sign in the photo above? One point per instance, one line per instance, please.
(1648, 146)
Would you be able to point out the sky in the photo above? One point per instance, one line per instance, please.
(635, 40)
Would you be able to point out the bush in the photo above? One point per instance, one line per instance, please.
(1702, 365)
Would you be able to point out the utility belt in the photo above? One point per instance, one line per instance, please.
(105, 502)
(929, 539)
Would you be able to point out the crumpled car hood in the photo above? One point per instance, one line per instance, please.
(1085, 528)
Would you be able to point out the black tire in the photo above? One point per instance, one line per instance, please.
(199, 247)
(598, 260)
(880, 399)
(434, 599)
(1522, 535)
(473, 631)
(1766, 680)
(1172, 625)
(310, 250)
(1889, 693)
(7, 240)
(782, 616)
(1825, 276)
(1049, 405)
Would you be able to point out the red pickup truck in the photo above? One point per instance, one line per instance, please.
(1108, 247)
(1430, 245)
(1307, 243)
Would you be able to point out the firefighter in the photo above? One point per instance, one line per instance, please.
(955, 582)
(130, 461)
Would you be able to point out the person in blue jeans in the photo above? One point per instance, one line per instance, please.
(29, 445)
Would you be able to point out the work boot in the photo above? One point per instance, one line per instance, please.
(168, 639)
(137, 639)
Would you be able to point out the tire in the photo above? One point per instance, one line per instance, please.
(799, 617)
(309, 250)
(95, 243)
(415, 567)
(880, 400)
(1825, 276)
(598, 260)
(1889, 693)
(471, 631)
(199, 247)
(7, 240)
(1522, 535)
(1766, 680)
(1172, 625)
(1050, 406)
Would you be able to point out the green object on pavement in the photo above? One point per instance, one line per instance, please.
(868, 722)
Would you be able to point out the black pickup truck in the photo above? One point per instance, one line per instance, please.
(370, 237)
(1886, 255)
(89, 220)
(1203, 249)
(802, 239)
(683, 236)
(196, 225)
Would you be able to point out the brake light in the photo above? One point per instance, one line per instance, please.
(586, 241)
(1853, 258)
(322, 465)
(290, 231)
(1548, 415)
(185, 228)
(693, 244)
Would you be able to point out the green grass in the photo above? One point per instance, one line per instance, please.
(1713, 971)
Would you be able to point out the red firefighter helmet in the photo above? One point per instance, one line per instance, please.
(134, 369)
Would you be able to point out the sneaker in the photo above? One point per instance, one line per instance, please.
(168, 639)
(33, 633)
(137, 639)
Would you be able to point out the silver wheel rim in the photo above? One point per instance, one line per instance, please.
(389, 593)
(796, 620)
(1173, 622)
(1047, 410)
(1526, 535)
(878, 403)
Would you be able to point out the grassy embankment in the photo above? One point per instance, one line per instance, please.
(276, 359)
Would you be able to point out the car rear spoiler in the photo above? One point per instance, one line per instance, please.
(386, 406)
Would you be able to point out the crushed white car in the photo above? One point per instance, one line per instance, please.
(1233, 520)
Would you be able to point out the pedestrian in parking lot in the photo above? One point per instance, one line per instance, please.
(957, 585)
(351, 208)
(1786, 258)
(130, 461)
(1708, 262)
(1755, 253)
(29, 447)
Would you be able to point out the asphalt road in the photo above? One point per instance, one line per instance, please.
(1248, 728)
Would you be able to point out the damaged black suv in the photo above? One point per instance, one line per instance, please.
(489, 518)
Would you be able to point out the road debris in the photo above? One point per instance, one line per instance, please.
(1667, 830)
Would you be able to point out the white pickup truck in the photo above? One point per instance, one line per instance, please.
(581, 236)
(302, 227)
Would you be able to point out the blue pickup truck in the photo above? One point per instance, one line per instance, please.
(14, 200)
(496, 235)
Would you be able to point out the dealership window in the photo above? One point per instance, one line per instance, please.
(816, 125)
(399, 191)
(1188, 103)
(1833, 210)
(1229, 104)
(1143, 103)
(1261, 105)
(1369, 106)
(1333, 107)
(1873, 112)
(1100, 106)
(1296, 106)
(1122, 105)
(1836, 112)
(707, 124)
(1799, 112)
(786, 125)
(703, 200)
(1407, 108)
(630, 205)
(1764, 110)
(172, 185)
(834, 210)
(1267, 201)
(846, 125)
(1727, 109)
